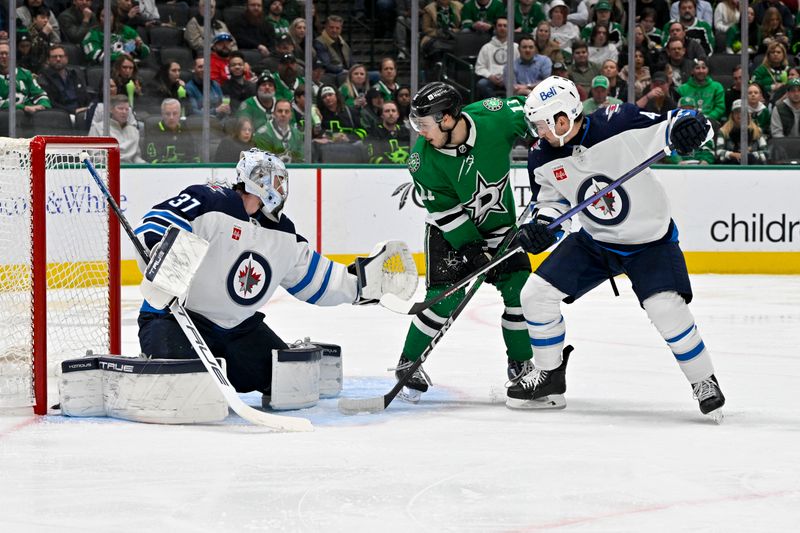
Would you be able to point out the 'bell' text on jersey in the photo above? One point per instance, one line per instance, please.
(467, 189)
(613, 141)
(247, 257)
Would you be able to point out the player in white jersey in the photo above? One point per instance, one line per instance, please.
(627, 231)
(253, 248)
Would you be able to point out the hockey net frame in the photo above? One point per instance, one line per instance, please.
(37, 275)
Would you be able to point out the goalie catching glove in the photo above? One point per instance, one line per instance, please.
(173, 263)
(389, 268)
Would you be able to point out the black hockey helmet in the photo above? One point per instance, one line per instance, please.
(434, 100)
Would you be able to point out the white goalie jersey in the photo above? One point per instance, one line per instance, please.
(248, 258)
(637, 212)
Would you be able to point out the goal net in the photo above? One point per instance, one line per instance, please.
(59, 267)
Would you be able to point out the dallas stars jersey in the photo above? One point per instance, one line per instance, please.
(612, 141)
(247, 258)
(467, 189)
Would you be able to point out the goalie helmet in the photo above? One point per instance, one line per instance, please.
(264, 175)
(434, 100)
(553, 96)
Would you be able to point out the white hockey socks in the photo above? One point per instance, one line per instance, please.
(671, 316)
(541, 303)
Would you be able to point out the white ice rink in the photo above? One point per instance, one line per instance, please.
(631, 452)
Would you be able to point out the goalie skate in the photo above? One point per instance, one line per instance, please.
(540, 389)
(710, 398)
(416, 385)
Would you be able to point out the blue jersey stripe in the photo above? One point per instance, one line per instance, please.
(321, 292)
(548, 342)
(691, 354)
(682, 334)
(169, 217)
(560, 320)
(150, 226)
(303, 283)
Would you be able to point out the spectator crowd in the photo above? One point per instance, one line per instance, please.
(685, 55)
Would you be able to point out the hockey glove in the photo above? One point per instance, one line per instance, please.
(475, 254)
(688, 133)
(534, 237)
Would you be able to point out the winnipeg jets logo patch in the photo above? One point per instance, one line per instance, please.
(248, 278)
(487, 198)
(611, 208)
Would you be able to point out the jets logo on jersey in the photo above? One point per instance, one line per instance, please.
(413, 162)
(487, 198)
(493, 104)
(610, 209)
(248, 278)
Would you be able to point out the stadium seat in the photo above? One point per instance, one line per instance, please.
(232, 13)
(182, 56)
(355, 153)
(52, 121)
(161, 36)
(93, 77)
(176, 14)
(469, 44)
(720, 64)
(74, 53)
(784, 151)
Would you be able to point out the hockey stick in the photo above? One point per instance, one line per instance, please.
(351, 406)
(410, 307)
(281, 423)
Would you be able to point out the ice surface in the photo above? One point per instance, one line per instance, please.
(631, 452)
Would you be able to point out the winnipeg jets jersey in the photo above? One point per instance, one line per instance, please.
(611, 142)
(247, 258)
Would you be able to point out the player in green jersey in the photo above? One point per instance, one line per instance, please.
(461, 171)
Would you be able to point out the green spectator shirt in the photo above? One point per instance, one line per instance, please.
(121, 43)
(471, 13)
(257, 113)
(288, 147)
(283, 91)
(528, 22)
(29, 92)
(467, 190)
(710, 96)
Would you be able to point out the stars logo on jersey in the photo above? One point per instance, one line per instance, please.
(413, 162)
(610, 209)
(248, 278)
(493, 104)
(487, 198)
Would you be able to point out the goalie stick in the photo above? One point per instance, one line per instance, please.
(410, 307)
(276, 422)
(351, 406)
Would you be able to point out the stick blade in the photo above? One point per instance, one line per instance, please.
(287, 424)
(354, 406)
(394, 303)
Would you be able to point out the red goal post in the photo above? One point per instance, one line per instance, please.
(60, 266)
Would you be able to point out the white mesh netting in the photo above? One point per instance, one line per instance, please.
(77, 265)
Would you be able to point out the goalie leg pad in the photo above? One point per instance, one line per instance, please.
(158, 391)
(80, 387)
(331, 372)
(295, 377)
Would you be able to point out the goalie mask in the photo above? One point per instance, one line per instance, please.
(264, 175)
(547, 101)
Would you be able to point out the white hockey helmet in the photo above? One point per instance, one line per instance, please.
(551, 97)
(264, 175)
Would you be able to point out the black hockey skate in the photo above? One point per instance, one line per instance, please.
(540, 389)
(416, 385)
(710, 398)
(517, 369)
